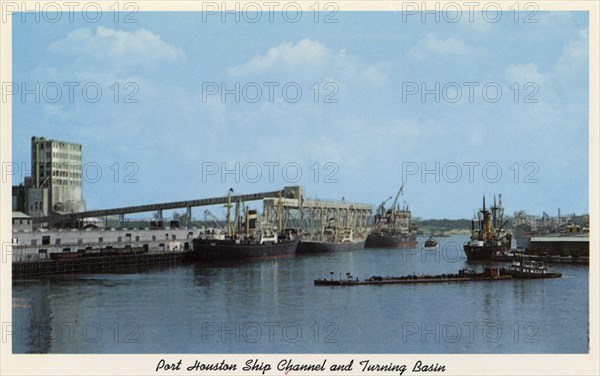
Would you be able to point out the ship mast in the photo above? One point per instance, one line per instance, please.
(229, 212)
(280, 214)
(487, 222)
(494, 218)
(236, 225)
(247, 222)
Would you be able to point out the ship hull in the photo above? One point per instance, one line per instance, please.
(477, 253)
(391, 241)
(228, 251)
(306, 247)
(525, 275)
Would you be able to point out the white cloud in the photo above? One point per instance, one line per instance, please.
(523, 73)
(430, 45)
(374, 75)
(575, 55)
(304, 54)
(310, 58)
(138, 49)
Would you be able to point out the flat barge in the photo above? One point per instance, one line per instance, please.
(490, 274)
(520, 271)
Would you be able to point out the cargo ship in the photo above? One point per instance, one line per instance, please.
(491, 237)
(393, 227)
(331, 239)
(244, 249)
(245, 240)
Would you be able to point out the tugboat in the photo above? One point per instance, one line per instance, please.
(490, 238)
(244, 241)
(431, 243)
(393, 227)
(529, 269)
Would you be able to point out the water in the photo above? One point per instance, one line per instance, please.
(273, 307)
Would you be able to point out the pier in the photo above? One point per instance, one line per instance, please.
(98, 263)
(66, 247)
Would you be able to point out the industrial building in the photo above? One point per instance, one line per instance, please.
(55, 182)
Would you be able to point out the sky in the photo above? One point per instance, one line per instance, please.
(350, 109)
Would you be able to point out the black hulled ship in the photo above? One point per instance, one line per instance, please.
(393, 227)
(491, 237)
(245, 240)
(331, 239)
(430, 243)
(244, 249)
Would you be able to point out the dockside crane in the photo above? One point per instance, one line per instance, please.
(395, 202)
(208, 216)
(381, 209)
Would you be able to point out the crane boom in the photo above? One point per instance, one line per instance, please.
(396, 199)
(208, 214)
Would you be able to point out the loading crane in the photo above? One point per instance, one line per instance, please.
(208, 216)
(396, 201)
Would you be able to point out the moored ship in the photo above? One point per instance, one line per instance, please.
(333, 237)
(491, 238)
(393, 227)
(245, 241)
(244, 249)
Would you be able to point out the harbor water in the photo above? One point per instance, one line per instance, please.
(272, 306)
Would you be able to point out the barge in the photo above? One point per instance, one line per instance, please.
(517, 271)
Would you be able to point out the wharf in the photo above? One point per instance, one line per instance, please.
(98, 263)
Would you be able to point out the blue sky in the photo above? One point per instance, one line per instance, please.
(376, 130)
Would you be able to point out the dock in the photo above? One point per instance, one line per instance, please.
(98, 263)
(60, 245)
